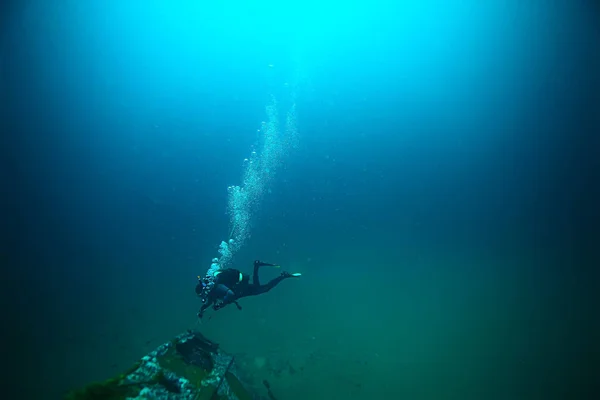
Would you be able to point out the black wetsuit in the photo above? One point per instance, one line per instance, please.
(231, 285)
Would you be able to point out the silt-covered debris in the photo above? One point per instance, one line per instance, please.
(189, 367)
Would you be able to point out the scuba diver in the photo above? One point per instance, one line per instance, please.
(229, 285)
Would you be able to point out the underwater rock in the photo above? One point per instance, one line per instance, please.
(189, 367)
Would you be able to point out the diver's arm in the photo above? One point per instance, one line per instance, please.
(222, 304)
(203, 308)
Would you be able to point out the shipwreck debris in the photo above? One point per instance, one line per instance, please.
(189, 367)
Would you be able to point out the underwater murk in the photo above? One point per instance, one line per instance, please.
(300, 199)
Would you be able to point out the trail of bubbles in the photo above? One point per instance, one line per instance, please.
(259, 171)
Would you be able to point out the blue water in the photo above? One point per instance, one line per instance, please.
(432, 202)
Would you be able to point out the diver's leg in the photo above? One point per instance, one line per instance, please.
(272, 283)
(255, 280)
(254, 290)
(257, 265)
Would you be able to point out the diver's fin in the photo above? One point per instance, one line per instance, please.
(290, 275)
(264, 264)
